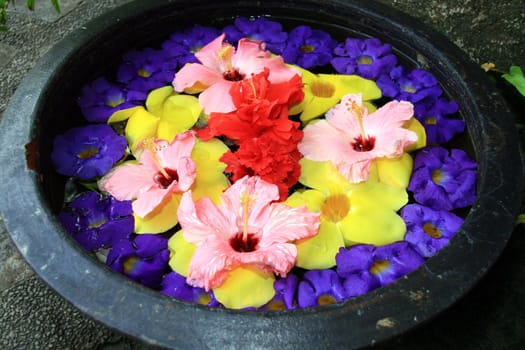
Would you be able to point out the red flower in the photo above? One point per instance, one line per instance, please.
(259, 103)
(268, 158)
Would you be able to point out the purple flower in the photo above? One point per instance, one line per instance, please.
(260, 29)
(101, 99)
(174, 285)
(412, 86)
(87, 152)
(368, 58)
(146, 70)
(320, 287)
(96, 221)
(443, 180)
(439, 129)
(429, 230)
(308, 47)
(365, 267)
(143, 258)
(285, 290)
(182, 46)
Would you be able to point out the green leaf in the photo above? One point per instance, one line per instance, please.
(516, 78)
(56, 5)
(30, 4)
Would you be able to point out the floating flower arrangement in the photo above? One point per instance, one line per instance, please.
(253, 168)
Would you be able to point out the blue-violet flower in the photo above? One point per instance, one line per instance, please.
(429, 230)
(146, 70)
(100, 99)
(143, 258)
(320, 287)
(260, 29)
(308, 47)
(442, 179)
(96, 221)
(182, 45)
(87, 152)
(365, 267)
(439, 129)
(174, 285)
(368, 58)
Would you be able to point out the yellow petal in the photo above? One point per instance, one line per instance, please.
(141, 124)
(210, 180)
(321, 176)
(414, 125)
(313, 200)
(181, 252)
(161, 219)
(245, 287)
(123, 114)
(319, 251)
(394, 172)
(156, 99)
(316, 107)
(352, 84)
(180, 113)
(372, 225)
(379, 195)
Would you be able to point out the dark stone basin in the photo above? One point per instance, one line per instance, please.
(44, 106)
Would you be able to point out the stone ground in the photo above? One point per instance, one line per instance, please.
(491, 316)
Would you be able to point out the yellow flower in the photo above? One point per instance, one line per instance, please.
(167, 114)
(323, 91)
(350, 213)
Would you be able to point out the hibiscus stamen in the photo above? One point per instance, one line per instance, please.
(362, 143)
(149, 145)
(246, 202)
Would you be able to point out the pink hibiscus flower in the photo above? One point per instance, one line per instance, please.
(163, 169)
(351, 139)
(222, 66)
(247, 228)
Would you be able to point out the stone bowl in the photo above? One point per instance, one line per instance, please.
(44, 106)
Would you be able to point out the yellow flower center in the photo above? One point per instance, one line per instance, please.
(326, 300)
(98, 223)
(432, 230)
(204, 299)
(114, 103)
(276, 305)
(336, 207)
(141, 72)
(88, 153)
(365, 60)
(431, 121)
(307, 48)
(437, 176)
(322, 89)
(379, 266)
(129, 264)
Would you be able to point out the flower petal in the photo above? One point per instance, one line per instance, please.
(245, 287)
(319, 251)
(181, 252)
(161, 219)
(141, 124)
(394, 172)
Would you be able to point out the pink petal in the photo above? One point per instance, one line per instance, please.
(204, 219)
(149, 200)
(356, 171)
(322, 142)
(262, 194)
(279, 258)
(181, 147)
(210, 264)
(217, 98)
(195, 73)
(286, 224)
(210, 56)
(127, 181)
(250, 59)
